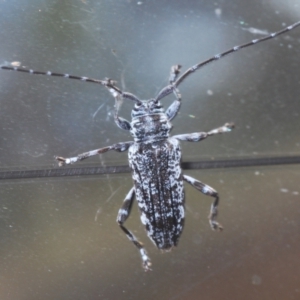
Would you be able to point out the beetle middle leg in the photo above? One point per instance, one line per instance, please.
(209, 191)
(123, 214)
(198, 136)
(119, 147)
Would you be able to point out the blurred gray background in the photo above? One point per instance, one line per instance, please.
(51, 246)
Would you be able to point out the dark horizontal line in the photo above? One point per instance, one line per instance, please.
(242, 162)
(209, 164)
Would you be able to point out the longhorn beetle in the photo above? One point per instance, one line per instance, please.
(154, 157)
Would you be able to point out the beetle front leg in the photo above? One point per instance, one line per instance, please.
(173, 109)
(199, 136)
(209, 191)
(123, 214)
(118, 95)
(120, 147)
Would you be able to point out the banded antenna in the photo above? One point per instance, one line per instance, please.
(115, 91)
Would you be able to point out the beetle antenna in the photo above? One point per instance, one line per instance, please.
(234, 49)
(108, 83)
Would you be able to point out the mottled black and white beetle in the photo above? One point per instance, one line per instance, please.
(154, 157)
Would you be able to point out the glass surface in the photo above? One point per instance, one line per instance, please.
(51, 246)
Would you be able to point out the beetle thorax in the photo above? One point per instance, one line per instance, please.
(149, 122)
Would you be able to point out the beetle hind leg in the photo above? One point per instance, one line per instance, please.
(209, 191)
(123, 214)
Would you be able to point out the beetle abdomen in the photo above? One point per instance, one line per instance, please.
(159, 190)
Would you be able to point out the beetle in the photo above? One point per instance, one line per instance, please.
(154, 157)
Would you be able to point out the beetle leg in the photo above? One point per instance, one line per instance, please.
(198, 136)
(173, 109)
(209, 191)
(119, 147)
(123, 214)
(119, 95)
